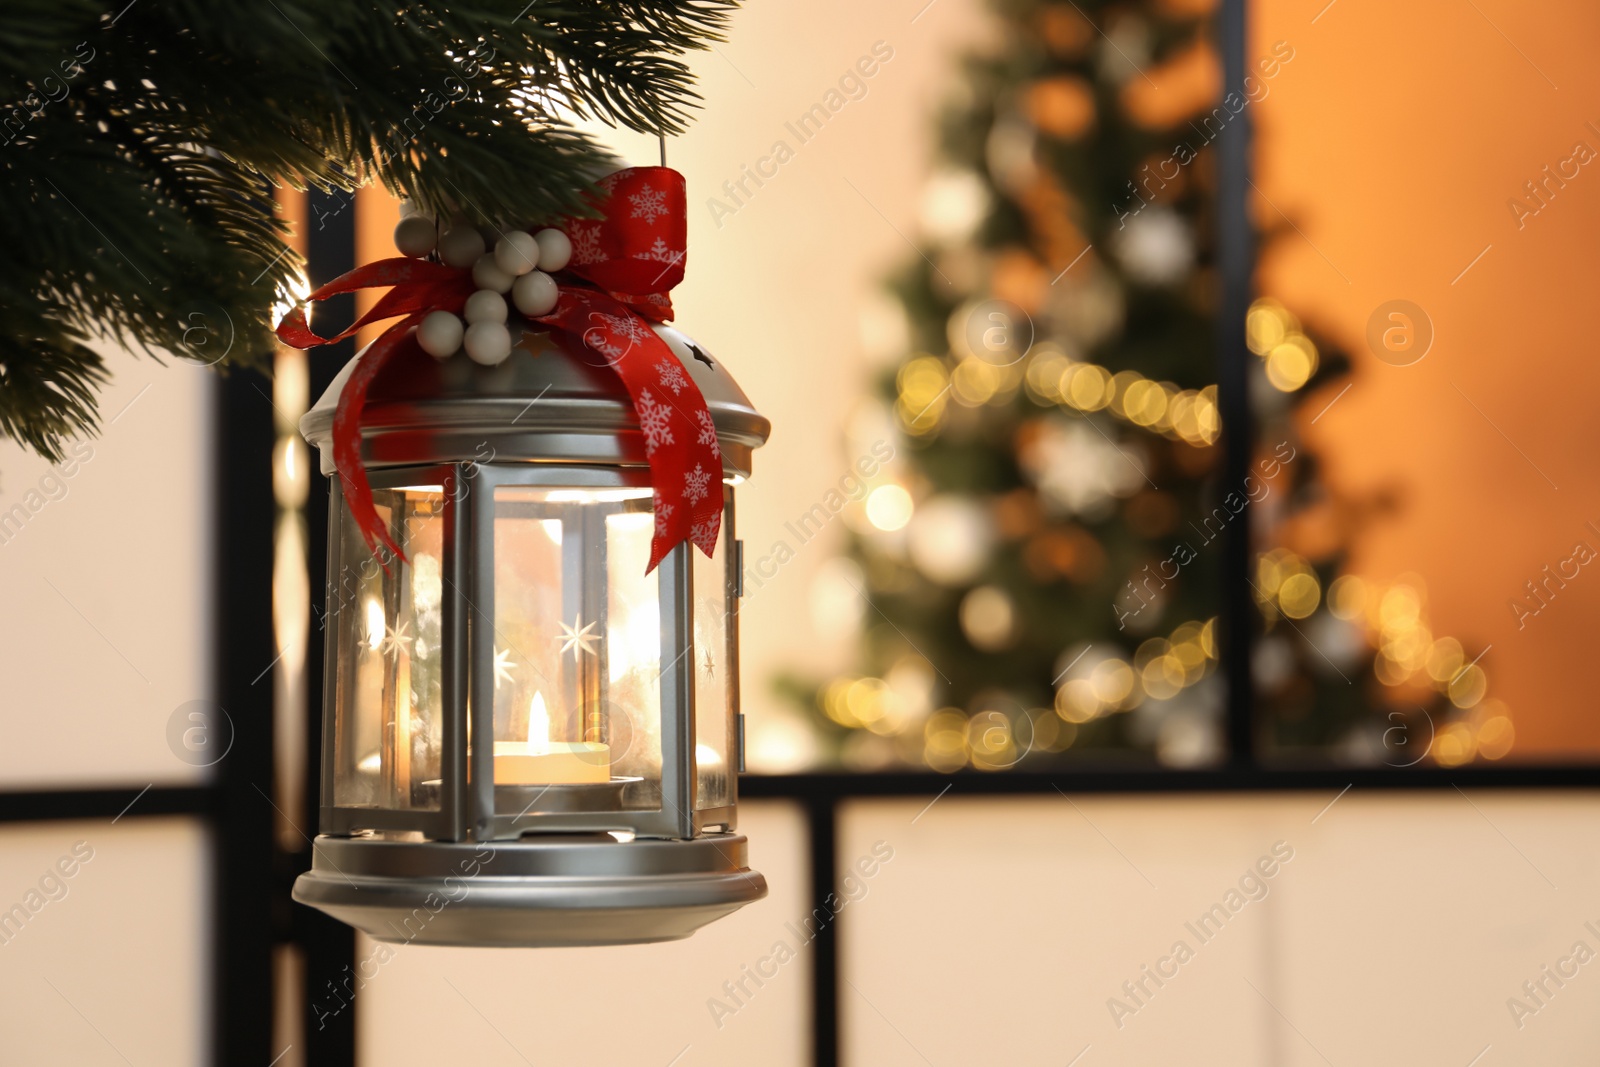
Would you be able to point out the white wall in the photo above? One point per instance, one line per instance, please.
(1395, 934)
(643, 1004)
(103, 633)
(1000, 928)
(111, 967)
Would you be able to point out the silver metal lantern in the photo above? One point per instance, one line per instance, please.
(526, 739)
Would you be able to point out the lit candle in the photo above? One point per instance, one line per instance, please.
(540, 761)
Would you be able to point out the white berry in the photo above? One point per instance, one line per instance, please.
(415, 236)
(461, 246)
(486, 305)
(440, 334)
(516, 253)
(535, 294)
(488, 343)
(555, 250)
(486, 274)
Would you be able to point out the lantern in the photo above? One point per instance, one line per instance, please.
(527, 739)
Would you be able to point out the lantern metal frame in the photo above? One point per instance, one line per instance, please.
(467, 809)
(545, 877)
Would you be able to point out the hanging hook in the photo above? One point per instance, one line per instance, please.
(662, 138)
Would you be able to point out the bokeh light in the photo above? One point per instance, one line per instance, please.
(889, 507)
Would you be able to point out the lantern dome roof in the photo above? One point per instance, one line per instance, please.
(543, 404)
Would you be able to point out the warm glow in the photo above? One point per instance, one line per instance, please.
(922, 382)
(945, 740)
(1266, 325)
(291, 389)
(541, 761)
(375, 623)
(636, 640)
(1052, 377)
(291, 473)
(291, 592)
(1146, 402)
(1291, 364)
(1076, 701)
(1455, 745)
(1445, 659)
(1468, 687)
(1495, 737)
(632, 521)
(538, 723)
(977, 381)
(1088, 388)
(597, 496)
(1401, 606)
(299, 289)
(1298, 595)
(1112, 680)
(889, 507)
(1347, 597)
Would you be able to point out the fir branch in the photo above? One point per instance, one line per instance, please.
(137, 151)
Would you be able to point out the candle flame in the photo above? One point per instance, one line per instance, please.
(538, 722)
(376, 624)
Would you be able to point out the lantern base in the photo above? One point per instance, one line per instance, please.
(545, 891)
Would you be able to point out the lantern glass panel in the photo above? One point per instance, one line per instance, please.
(633, 647)
(577, 724)
(713, 654)
(389, 699)
(534, 697)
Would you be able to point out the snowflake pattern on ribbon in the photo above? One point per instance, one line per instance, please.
(672, 377)
(695, 484)
(661, 252)
(708, 433)
(648, 204)
(599, 341)
(704, 534)
(585, 238)
(657, 304)
(635, 256)
(631, 327)
(655, 420)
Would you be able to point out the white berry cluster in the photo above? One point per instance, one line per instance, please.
(520, 264)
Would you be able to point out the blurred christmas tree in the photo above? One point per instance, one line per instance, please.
(1041, 563)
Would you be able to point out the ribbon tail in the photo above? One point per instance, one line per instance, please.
(416, 284)
(679, 437)
(347, 441)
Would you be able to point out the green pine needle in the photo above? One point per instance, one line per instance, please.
(138, 152)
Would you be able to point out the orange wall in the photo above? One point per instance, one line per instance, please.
(1395, 140)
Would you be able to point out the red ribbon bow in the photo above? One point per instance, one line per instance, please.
(623, 265)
